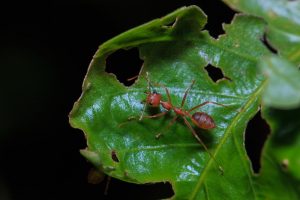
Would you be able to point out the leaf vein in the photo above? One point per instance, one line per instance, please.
(159, 147)
(227, 133)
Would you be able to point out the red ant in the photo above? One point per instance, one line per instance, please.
(200, 119)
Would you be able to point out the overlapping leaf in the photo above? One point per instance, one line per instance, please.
(283, 33)
(283, 17)
(279, 178)
(283, 88)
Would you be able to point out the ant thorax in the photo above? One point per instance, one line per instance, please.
(166, 105)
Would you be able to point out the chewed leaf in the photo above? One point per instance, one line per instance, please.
(281, 156)
(283, 17)
(174, 56)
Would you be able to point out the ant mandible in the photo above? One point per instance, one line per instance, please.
(200, 119)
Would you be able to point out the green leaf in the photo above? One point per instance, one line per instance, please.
(280, 175)
(174, 56)
(283, 87)
(283, 17)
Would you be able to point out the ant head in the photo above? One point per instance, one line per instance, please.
(153, 99)
(203, 120)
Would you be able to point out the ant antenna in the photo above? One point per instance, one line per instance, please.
(108, 180)
(149, 88)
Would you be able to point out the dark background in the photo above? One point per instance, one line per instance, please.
(45, 49)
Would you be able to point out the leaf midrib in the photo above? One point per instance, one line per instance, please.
(227, 133)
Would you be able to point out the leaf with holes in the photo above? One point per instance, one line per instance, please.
(280, 176)
(283, 33)
(283, 17)
(174, 56)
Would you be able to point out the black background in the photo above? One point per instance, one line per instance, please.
(45, 49)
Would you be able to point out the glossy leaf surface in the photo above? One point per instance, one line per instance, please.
(174, 56)
(283, 17)
(283, 87)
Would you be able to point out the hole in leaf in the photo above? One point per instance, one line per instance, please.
(114, 156)
(216, 31)
(215, 73)
(125, 64)
(256, 135)
(139, 191)
(216, 18)
(267, 44)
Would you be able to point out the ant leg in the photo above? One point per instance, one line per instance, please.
(170, 124)
(107, 185)
(135, 118)
(186, 93)
(136, 76)
(128, 120)
(202, 104)
(168, 94)
(202, 143)
(156, 115)
(132, 78)
(143, 111)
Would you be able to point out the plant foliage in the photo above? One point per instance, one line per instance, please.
(174, 55)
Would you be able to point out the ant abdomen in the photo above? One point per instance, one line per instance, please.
(203, 120)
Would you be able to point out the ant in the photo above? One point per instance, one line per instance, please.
(200, 119)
